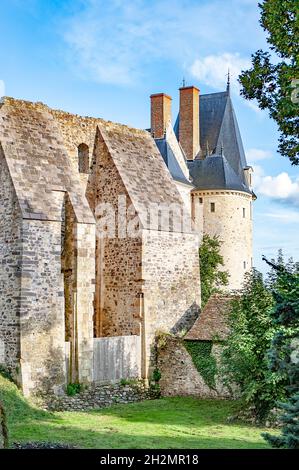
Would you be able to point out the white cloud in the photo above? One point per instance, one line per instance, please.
(254, 155)
(212, 69)
(2, 88)
(283, 216)
(280, 187)
(115, 41)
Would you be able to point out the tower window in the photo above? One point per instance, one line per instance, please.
(212, 206)
(83, 158)
(244, 264)
(200, 200)
(244, 212)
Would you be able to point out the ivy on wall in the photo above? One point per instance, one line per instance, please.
(204, 361)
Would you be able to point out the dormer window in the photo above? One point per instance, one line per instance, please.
(83, 158)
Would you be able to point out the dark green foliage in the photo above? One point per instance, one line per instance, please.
(289, 438)
(5, 373)
(272, 78)
(74, 388)
(244, 356)
(204, 361)
(210, 259)
(283, 355)
(3, 426)
(156, 375)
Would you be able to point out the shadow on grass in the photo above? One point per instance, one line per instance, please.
(114, 439)
(182, 423)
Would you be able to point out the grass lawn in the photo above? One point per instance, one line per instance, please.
(179, 423)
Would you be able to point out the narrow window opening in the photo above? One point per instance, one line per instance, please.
(244, 213)
(200, 200)
(244, 264)
(212, 206)
(83, 158)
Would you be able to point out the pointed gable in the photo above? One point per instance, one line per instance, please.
(142, 169)
(38, 162)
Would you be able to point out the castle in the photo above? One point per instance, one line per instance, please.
(100, 230)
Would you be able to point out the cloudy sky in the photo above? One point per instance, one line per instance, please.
(104, 58)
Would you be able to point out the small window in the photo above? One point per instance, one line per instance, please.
(83, 158)
(244, 213)
(200, 200)
(244, 264)
(212, 206)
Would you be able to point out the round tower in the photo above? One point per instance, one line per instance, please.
(222, 195)
(228, 215)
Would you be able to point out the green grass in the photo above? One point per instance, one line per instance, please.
(184, 423)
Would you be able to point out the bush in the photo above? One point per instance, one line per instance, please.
(244, 360)
(74, 388)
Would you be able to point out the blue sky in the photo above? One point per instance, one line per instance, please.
(104, 58)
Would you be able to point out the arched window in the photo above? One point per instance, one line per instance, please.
(83, 158)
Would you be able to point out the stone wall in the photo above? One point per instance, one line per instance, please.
(42, 307)
(170, 268)
(179, 376)
(100, 396)
(118, 272)
(10, 271)
(233, 228)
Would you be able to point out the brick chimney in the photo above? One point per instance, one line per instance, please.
(189, 121)
(160, 114)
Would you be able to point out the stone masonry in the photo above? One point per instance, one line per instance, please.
(63, 279)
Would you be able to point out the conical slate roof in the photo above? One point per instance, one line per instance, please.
(219, 135)
(214, 172)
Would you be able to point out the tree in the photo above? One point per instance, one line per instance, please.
(244, 360)
(273, 79)
(212, 278)
(284, 352)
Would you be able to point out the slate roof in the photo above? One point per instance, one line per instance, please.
(171, 161)
(212, 322)
(219, 134)
(214, 172)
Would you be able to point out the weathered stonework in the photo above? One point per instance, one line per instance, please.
(179, 375)
(10, 270)
(101, 396)
(232, 223)
(74, 281)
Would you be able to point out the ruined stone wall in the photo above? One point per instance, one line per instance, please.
(101, 396)
(42, 308)
(78, 267)
(233, 228)
(10, 270)
(179, 375)
(170, 268)
(118, 263)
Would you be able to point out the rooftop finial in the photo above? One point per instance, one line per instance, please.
(184, 82)
(228, 80)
